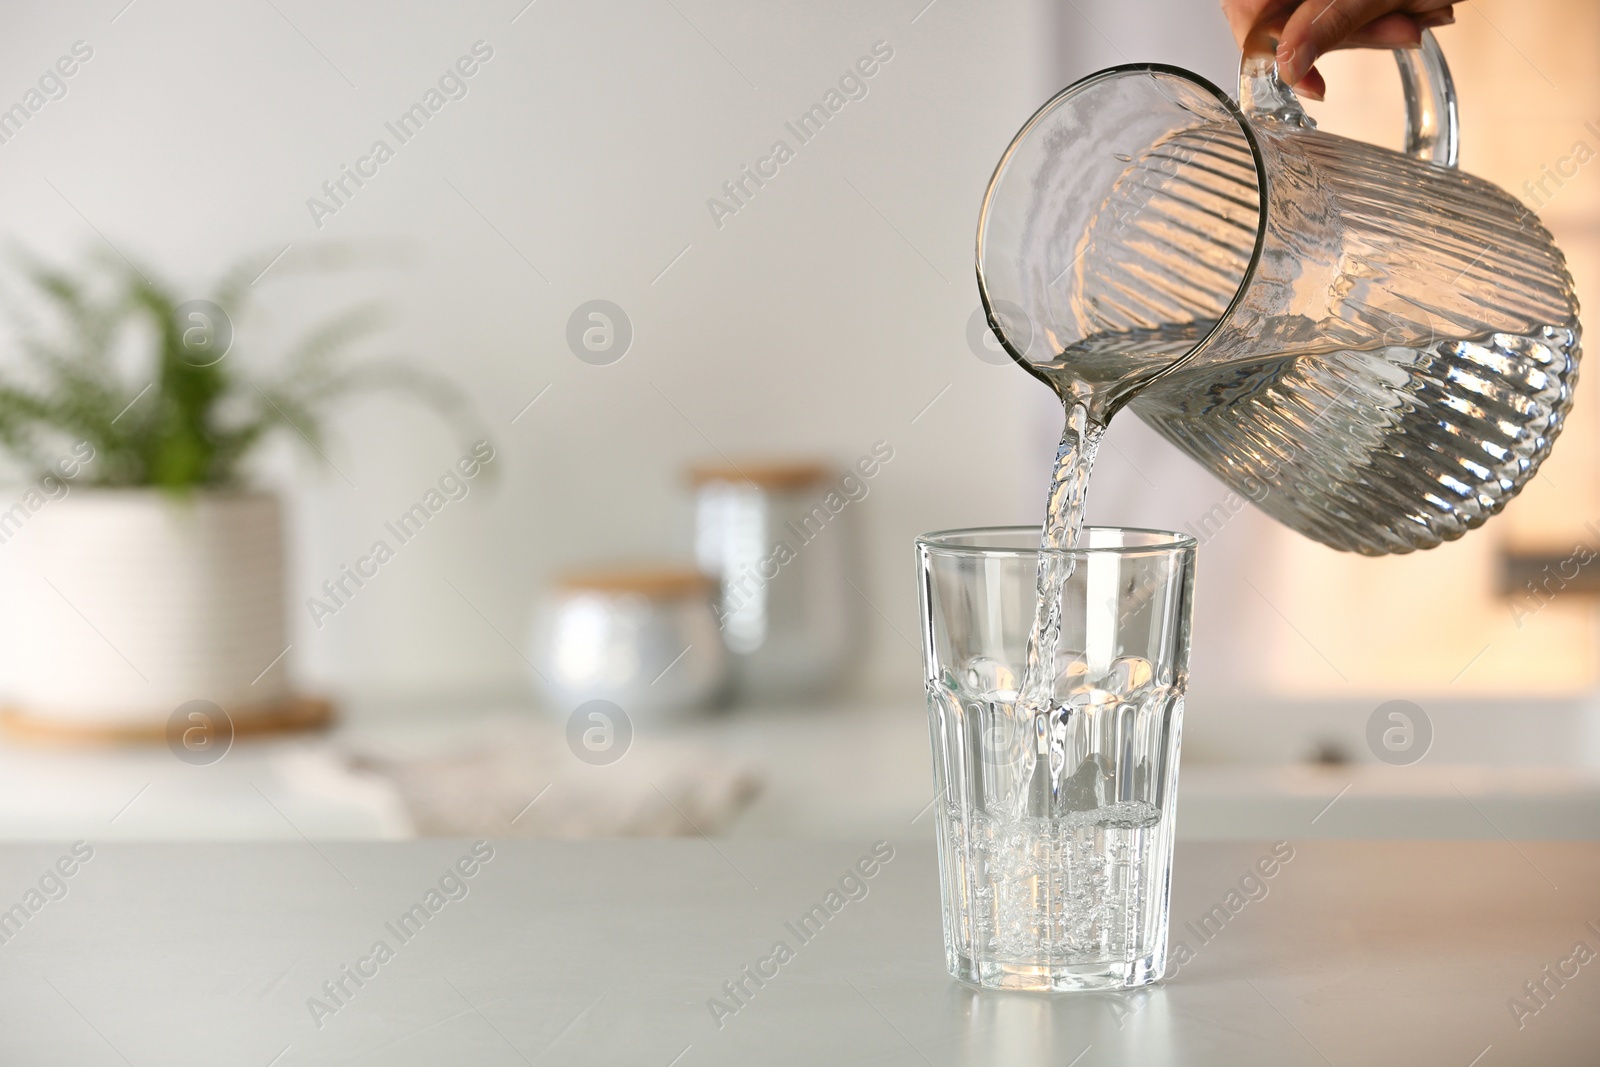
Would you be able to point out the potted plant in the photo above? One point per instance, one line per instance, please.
(140, 568)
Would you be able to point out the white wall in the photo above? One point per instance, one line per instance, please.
(821, 318)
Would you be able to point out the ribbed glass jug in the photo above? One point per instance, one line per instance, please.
(1375, 347)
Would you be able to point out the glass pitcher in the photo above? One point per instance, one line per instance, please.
(1375, 347)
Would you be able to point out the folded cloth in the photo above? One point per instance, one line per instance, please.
(520, 778)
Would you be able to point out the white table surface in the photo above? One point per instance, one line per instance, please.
(1360, 953)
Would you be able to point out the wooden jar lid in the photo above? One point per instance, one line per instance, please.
(291, 714)
(656, 582)
(778, 474)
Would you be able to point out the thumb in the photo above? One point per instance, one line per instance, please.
(1318, 27)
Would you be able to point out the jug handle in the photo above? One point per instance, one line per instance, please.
(1433, 124)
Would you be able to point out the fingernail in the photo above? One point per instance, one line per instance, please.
(1310, 93)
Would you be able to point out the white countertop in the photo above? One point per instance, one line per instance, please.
(1370, 953)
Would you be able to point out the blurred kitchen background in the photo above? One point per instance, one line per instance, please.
(830, 315)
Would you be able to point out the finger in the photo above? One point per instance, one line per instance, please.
(1312, 85)
(1317, 26)
(1390, 31)
(1243, 15)
(1397, 31)
(1443, 17)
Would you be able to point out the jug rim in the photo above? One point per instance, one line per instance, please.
(1233, 108)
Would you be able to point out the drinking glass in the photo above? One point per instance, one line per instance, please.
(1055, 811)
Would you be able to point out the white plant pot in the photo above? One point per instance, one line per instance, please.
(119, 605)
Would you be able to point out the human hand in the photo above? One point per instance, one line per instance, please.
(1305, 30)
